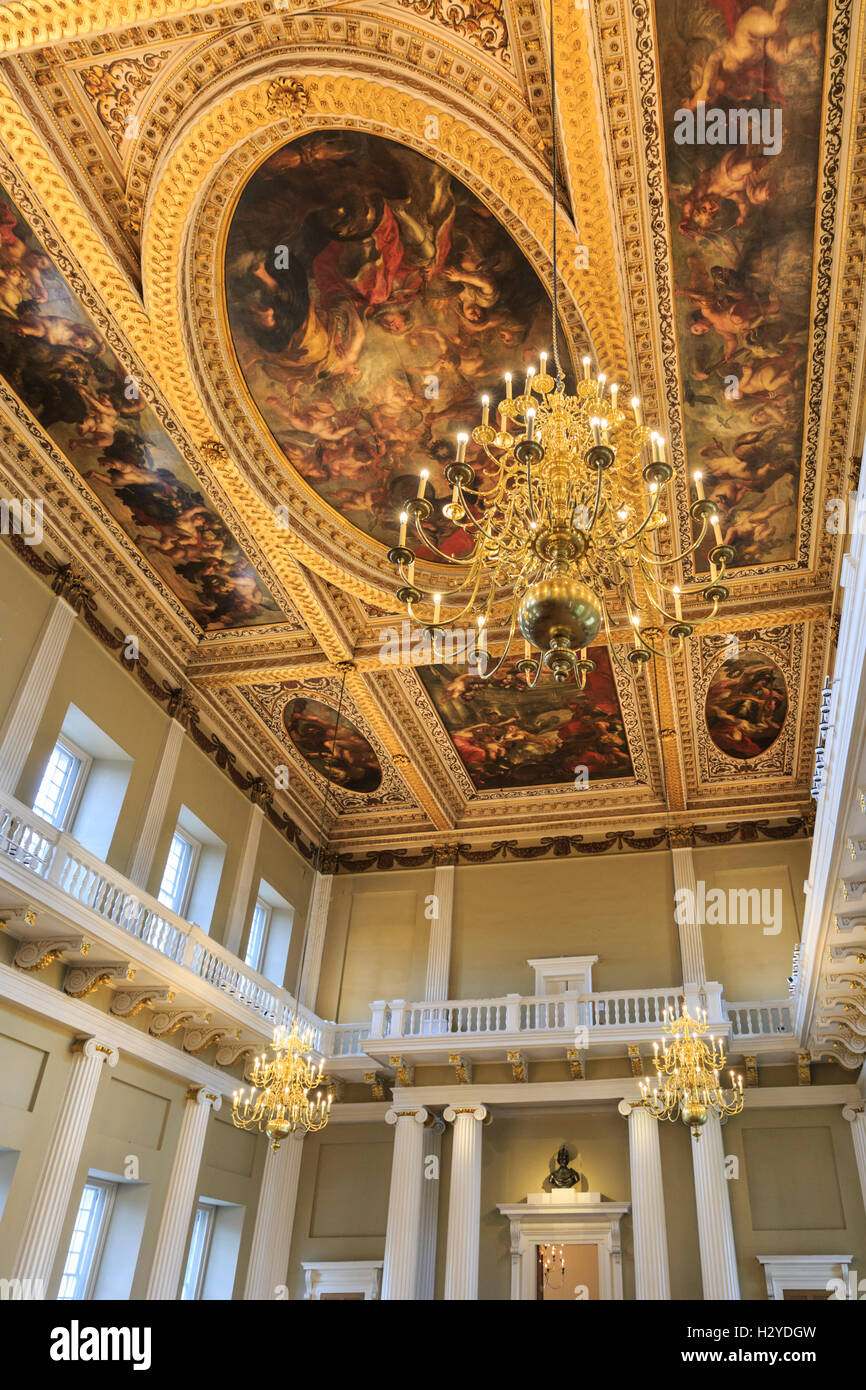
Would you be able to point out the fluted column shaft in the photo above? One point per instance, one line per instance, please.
(400, 1271)
(156, 805)
(439, 948)
(715, 1229)
(38, 1249)
(464, 1203)
(431, 1160)
(856, 1117)
(275, 1217)
(167, 1265)
(651, 1269)
(27, 707)
(691, 939)
(317, 923)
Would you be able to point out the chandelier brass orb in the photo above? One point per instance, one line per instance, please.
(688, 1081)
(694, 1115)
(559, 616)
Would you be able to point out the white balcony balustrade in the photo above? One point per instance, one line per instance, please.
(90, 893)
(49, 867)
(766, 1020)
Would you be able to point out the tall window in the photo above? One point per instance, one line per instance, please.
(61, 783)
(178, 872)
(88, 1238)
(258, 934)
(199, 1250)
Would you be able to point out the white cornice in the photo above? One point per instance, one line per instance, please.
(843, 767)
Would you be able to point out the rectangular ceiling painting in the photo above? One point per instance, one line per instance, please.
(742, 108)
(58, 363)
(510, 736)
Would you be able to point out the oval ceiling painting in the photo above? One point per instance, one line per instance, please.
(348, 762)
(372, 300)
(746, 705)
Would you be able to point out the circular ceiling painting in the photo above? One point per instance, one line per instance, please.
(746, 705)
(371, 300)
(348, 762)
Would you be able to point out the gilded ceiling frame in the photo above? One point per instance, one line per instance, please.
(224, 145)
(26, 24)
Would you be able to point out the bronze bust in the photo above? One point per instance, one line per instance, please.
(562, 1175)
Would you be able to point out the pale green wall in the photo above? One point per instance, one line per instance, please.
(620, 909)
(292, 877)
(137, 1112)
(94, 681)
(750, 963)
(24, 604)
(516, 1154)
(342, 1205)
(35, 1067)
(376, 944)
(798, 1191)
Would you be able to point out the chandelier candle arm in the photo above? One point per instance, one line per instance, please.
(687, 1075)
(560, 481)
(286, 1081)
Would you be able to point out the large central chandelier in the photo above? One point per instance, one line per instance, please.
(567, 515)
(687, 1075)
(289, 1086)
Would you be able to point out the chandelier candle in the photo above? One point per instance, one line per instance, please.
(568, 531)
(286, 1082)
(687, 1075)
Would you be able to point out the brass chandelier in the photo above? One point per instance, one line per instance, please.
(290, 1098)
(687, 1071)
(286, 1083)
(568, 523)
(566, 512)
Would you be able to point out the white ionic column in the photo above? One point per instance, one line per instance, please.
(439, 948)
(27, 706)
(153, 815)
(317, 922)
(651, 1270)
(400, 1271)
(856, 1117)
(275, 1217)
(691, 941)
(715, 1228)
(167, 1264)
(432, 1159)
(237, 913)
(464, 1203)
(38, 1249)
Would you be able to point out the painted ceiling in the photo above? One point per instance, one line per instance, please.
(372, 300)
(259, 262)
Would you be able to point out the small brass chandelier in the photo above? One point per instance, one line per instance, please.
(687, 1071)
(550, 1258)
(291, 1098)
(565, 509)
(286, 1083)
